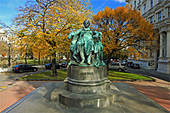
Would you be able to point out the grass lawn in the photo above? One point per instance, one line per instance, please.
(114, 75)
(62, 74)
(33, 62)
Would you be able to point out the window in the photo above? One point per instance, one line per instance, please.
(151, 19)
(114, 64)
(159, 16)
(134, 3)
(151, 3)
(168, 11)
(144, 7)
(159, 0)
(139, 9)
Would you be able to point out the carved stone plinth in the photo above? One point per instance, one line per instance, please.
(87, 87)
(86, 80)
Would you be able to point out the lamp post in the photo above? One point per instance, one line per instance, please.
(9, 57)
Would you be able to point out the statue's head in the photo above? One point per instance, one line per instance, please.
(86, 23)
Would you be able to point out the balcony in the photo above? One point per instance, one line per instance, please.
(163, 22)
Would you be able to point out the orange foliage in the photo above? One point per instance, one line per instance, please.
(3, 54)
(46, 24)
(122, 28)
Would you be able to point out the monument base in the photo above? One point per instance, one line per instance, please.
(98, 100)
(88, 87)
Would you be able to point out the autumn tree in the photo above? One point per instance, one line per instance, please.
(4, 45)
(3, 49)
(52, 21)
(41, 51)
(122, 28)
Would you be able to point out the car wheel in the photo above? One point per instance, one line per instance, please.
(20, 70)
(34, 70)
(119, 69)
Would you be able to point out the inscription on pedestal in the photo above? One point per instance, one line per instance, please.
(86, 73)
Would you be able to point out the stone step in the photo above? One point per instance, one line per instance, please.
(97, 100)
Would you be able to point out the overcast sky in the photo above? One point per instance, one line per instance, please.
(8, 7)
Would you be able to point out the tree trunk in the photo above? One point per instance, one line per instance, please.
(108, 61)
(39, 59)
(54, 64)
(43, 60)
(68, 56)
(50, 59)
(26, 58)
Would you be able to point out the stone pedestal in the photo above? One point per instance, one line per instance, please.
(87, 87)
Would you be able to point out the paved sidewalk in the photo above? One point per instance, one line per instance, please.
(39, 101)
(15, 91)
(158, 91)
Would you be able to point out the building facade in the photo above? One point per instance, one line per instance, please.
(3, 36)
(158, 13)
(3, 42)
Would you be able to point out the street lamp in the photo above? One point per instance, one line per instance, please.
(9, 57)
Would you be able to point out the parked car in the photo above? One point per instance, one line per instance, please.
(136, 66)
(117, 66)
(49, 66)
(130, 64)
(23, 68)
(64, 65)
(124, 63)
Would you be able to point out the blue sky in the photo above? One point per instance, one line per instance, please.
(8, 7)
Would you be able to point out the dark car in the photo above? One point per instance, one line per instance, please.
(136, 66)
(130, 64)
(64, 65)
(23, 68)
(49, 66)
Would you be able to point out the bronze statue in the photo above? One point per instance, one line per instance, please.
(86, 47)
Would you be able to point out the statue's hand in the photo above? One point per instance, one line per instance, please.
(70, 35)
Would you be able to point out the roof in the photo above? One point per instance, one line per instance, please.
(2, 31)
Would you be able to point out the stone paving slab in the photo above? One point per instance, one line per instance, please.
(14, 93)
(133, 102)
(158, 91)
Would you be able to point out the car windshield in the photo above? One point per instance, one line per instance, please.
(48, 64)
(28, 65)
(18, 66)
(114, 64)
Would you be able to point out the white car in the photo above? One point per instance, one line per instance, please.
(117, 66)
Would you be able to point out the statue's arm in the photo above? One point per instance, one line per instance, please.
(74, 33)
(70, 35)
(95, 34)
(78, 31)
(100, 36)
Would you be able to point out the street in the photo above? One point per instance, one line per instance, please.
(151, 73)
(12, 76)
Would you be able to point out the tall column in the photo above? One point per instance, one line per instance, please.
(155, 59)
(161, 47)
(168, 51)
(168, 45)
